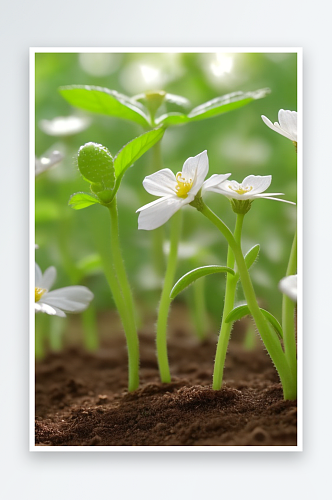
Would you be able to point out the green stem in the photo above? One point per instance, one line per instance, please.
(165, 301)
(57, 329)
(123, 298)
(41, 333)
(158, 235)
(198, 309)
(270, 340)
(225, 329)
(288, 312)
(90, 332)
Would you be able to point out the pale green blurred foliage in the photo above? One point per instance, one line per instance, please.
(237, 142)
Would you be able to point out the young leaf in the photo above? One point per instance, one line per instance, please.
(251, 256)
(225, 103)
(193, 275)
(132, 151)
(82, 200)
(237, 313)
(105, 101)
(169, 119)
(96, 166)
(241, 311)
(274, 322)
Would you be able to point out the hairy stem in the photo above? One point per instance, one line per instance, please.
(198, 309)
(225, 329)
(165, 301)
(270, 340)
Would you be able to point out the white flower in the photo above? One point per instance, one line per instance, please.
(288, 286)
(175, 191)
(65, 125)
(251, 187)
(287, 125)
(72, 299)
(46, 162)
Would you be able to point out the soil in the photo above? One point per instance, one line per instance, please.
(81, 397)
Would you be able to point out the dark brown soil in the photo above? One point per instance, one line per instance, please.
(81, 398)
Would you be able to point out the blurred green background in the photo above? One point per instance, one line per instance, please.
(237, 142)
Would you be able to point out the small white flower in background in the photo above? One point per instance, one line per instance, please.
(73, 299)
(287, 125)
(175, 190)
(288, 286)
(65, 125)
(45, 162)
(251, 188)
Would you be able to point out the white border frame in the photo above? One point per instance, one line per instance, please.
(33, 51)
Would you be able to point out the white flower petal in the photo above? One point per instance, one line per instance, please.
(269, 123)
(213, 181)
(264, 195)
(69, 299)
(52, 311)
(288, 122)
(77, 293)
(287, 125)
(196, 169)
(48, 278)
(158, 212)
(276, 199)
(38, 276)
(225, 188)
(160, 183)
(288, 286)
(259, 183)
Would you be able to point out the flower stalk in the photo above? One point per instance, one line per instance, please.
(158, 235)
(225, 329)
(269, 337)
(165, 301)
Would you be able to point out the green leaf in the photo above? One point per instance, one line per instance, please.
(225, 103)
(251, 256)
(241, 311)
(132, 151)
(193, 275)
(95, 163)
(274, 322)
(169, 119)
(237, 313)
(212, 108)
(82, 200)
(105, 101)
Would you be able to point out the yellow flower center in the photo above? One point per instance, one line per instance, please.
(39, 292)
(241, 189)
(183, 186)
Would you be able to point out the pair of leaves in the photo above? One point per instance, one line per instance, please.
(109, 102)
(189, 278)
(243, 310)
(238, 312)
(105, 173)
